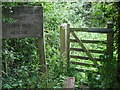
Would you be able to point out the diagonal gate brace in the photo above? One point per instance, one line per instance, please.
(84, 48)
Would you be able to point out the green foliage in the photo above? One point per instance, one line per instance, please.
(21, 67)
(107, 72)
(105, 78)
(21, 62)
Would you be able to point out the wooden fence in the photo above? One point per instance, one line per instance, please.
(65, 41)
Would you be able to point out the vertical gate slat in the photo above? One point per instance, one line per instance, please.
(110, 40)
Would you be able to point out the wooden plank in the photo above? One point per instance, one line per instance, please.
(84, 48)
(79, 29)
(69, 83)
(82, 70)
(80, 63)
(93, 51)
(89, 41)
(82, 57)
(93, 30)
(101, 30)
(85, 70)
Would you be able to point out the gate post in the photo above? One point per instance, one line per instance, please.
(62, 41)
(68, 45)
(110, 40)
(65, 43)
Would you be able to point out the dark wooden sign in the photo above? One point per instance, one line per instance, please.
(23, 22)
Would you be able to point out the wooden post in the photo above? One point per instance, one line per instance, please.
(110, 40)
(69, 83)
(67, 47)
(62, 41)
(42, 57)
(0, 48)
(41, 47)
(65, 43)
(118, 41)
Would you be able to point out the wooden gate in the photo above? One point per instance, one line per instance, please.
(65, 45)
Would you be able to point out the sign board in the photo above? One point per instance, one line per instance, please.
(22, 22)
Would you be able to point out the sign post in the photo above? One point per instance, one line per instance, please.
(25, 22)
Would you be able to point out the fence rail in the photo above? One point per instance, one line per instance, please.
(81, 50)
(93, 30)
(89, 41)
(83, 57)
